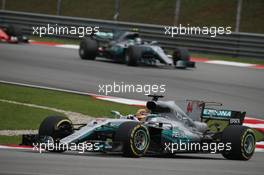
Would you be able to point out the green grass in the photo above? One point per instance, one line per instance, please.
(66, 101)
(193, 12)
(10, 140)
(259, 136)
(55, 40)
(14, 116)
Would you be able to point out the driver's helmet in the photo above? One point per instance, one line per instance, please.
(138, 40)
(141, 114)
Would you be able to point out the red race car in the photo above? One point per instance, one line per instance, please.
(12, 34)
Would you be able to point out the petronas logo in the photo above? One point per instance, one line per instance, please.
(217, 113)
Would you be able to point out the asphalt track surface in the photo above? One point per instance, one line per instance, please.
(237, 88)
(21, 162)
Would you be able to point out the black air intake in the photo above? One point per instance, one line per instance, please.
(156, 106)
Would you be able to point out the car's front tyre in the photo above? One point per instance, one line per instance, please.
(133, 55)
(54, 128)
(134, 137)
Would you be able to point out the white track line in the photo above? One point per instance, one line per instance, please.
(68, 46)
(254, 125)
(123, 101)
(230, 63)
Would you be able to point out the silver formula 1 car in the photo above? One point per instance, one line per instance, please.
(165, 129)
(130, 49)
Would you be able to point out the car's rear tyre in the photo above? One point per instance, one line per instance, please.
(242, 141)
(133, 55)
(88, 49)
(134, 137)
(56, 128)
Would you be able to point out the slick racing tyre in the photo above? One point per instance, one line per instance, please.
(242, 141)
(54, 128)
(133, 55)
(134, 137)
(88, 49)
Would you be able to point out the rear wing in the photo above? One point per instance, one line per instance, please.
(206, 111)
(233, 117)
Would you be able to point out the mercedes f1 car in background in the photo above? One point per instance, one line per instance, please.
(163, 126)
(12, 34)
(128, 48)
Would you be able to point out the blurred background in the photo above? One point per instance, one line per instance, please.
(241, 15)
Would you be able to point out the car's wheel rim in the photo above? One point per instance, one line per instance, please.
(249, 143)
(140, 140)
(65, 126)
(48, 140)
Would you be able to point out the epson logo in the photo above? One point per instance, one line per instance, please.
(217, 113)
(234, 121)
